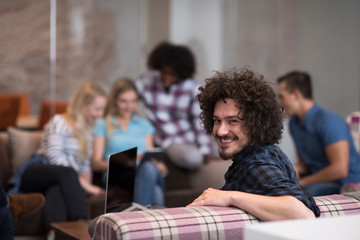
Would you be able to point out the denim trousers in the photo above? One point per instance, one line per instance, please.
(321, 189)
(6, 218)
(149, 185)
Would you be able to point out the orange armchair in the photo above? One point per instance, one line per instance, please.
(48, 109)
(9, 110)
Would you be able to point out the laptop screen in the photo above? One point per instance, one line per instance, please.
(120, 180)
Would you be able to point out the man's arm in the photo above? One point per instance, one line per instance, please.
(266, 208)
(300, 167)
(338, 155)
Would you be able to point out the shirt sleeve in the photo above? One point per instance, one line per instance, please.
(100, 128)
(55, 151)
(148, 127)
(139, 83)
(61, 147)
(270, 180)
(333, 130)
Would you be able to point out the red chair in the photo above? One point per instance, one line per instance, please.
(9, 110)
(48, 109)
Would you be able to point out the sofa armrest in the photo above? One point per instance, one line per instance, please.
(338, 205)
(206, 222)
(182, 223)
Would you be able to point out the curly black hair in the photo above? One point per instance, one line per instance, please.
(178, 57)
(255, 99)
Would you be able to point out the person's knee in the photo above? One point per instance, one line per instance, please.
(159, 196)
(322, 189)
(186, 156)
(148, 169)
(67, 172)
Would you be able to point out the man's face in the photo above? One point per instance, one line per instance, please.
(228, 129)
(286, 99)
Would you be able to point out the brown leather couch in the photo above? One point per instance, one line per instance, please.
(16, 146)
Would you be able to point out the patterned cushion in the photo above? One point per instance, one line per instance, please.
(178, 223)
(337, 205)
(199, 222)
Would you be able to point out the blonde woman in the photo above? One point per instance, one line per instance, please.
(61, 168)
(122, 129)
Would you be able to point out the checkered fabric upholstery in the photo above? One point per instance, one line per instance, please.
(199, 222)
(337, 205)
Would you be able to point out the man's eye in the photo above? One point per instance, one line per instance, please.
(216, 121)
(233, 121)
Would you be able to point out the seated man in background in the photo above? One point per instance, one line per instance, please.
(241, 111)
(327, 155)
(170, 104)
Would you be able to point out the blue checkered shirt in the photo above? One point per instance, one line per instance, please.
(266, 170)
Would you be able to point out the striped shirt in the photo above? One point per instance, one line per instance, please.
(266, 170)
(174, 113)
(61, 148)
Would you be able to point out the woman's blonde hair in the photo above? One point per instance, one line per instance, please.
(75, 118)
(120, 86)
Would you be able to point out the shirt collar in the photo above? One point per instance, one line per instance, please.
(113, 120)
(245, 152)
(310, 116)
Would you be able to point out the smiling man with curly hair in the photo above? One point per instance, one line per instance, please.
(241, 111)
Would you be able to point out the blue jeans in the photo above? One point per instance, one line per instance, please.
(321, 189)
(6, 218)
(149, 185)
(16, 179)
(6, 224)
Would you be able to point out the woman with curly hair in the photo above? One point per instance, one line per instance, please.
(169, 93)
(240, 109)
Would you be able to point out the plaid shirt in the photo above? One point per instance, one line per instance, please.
(266, 170)
(175, 114)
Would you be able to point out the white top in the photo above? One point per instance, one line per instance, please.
(61, 148)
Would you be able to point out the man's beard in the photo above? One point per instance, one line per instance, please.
(228, 155)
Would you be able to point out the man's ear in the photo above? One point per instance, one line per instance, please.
(298, 94)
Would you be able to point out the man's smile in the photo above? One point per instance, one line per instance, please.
(226, 140)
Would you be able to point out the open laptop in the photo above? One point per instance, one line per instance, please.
(120, 182)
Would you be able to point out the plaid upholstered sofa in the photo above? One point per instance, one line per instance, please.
(202, 222)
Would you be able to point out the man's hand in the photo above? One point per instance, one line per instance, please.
(213, 197)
